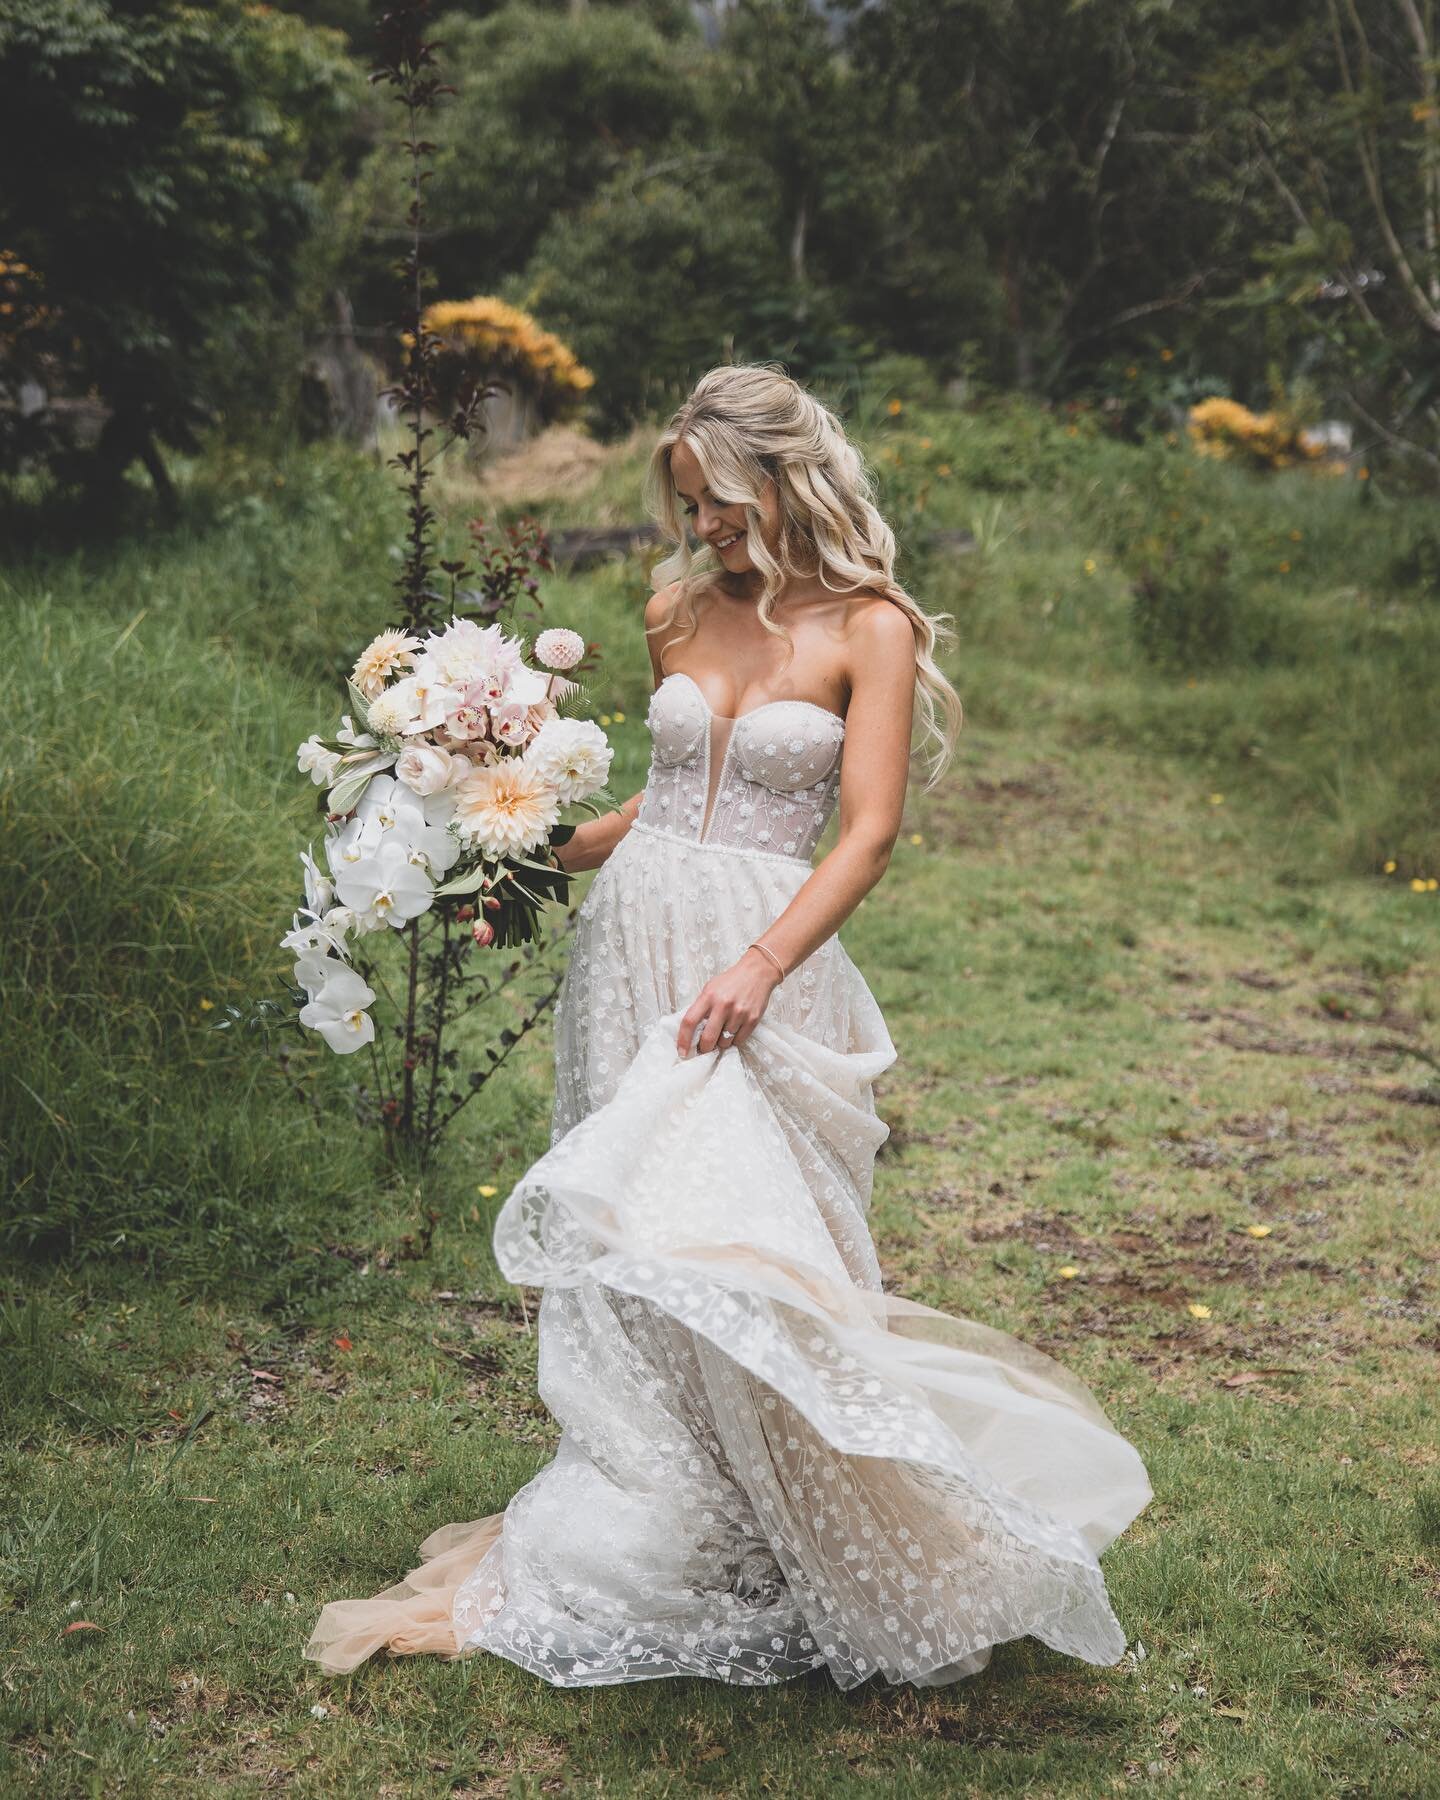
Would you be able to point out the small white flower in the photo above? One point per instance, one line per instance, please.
(317, 1711)
(317, 762)
(559, 648)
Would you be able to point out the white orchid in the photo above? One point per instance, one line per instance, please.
(319, 889)
(310, 933)
(386, 886)
(337, 1010)
(313, 968)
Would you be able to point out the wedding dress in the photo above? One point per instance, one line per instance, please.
(767, 1463)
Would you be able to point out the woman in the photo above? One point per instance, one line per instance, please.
(767, 1463)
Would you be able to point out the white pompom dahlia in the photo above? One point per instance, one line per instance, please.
(559, 648)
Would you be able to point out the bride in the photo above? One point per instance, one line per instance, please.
(767, 1463)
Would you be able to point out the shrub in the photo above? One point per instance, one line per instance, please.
(1225, 429)
(486, 337)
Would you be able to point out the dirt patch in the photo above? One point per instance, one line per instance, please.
(561, 464)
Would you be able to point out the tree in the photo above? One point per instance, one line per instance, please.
(175, 161)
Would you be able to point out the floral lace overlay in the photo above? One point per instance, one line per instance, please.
(768, 1464)
(764, 781)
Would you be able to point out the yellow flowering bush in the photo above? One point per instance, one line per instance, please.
(1228, 431)
(487, 337)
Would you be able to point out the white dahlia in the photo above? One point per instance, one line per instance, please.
(379, 660)
(559, 648)
(505, 808)
(571, 755)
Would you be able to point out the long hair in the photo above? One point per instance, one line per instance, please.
(749, 421)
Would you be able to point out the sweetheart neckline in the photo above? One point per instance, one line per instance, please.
(750, 712)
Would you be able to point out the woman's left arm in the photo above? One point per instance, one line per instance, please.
(874, 769)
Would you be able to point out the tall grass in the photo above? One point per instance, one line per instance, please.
(145, 804)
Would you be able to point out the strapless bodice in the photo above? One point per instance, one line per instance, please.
(765, 781)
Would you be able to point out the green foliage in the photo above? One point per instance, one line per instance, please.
(549, 107)
(178, 162)
(1415, 558)
(646, 289)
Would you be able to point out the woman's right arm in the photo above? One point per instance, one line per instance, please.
(593, 841)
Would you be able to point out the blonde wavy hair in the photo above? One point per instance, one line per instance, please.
(746, 422)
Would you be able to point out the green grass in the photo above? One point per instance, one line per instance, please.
(1134, 1021)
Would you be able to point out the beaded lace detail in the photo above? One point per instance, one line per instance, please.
(764, 780)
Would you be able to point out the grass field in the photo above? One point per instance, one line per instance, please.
(1161, 1107)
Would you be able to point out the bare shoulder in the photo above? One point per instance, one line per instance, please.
(659, 604)
(657, 611)
(878, 635)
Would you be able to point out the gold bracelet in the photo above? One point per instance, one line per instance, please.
(766, 951)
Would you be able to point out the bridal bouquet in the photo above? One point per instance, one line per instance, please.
(451, 786)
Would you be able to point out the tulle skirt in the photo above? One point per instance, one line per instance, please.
(767, 1464)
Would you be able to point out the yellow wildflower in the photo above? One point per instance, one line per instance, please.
(944, 469)
(916, 838)
(1258, 1230)
(1362, 474)
(1390, 866)
(1167, 356)
(1069, 1272)
(487, 1192)
(1295, 536)
(207, 1006)
(1090, 565)
(605, 718)
(1217, 799)
(894, 408)
(1431, 884)
(618, 717)
(927, 443)
(1284, 568)
(1417, 884)
(1196, 1311)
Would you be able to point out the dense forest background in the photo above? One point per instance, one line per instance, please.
(1120, 203)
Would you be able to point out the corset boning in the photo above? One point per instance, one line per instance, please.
(765, 781)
